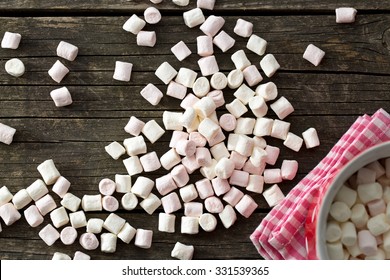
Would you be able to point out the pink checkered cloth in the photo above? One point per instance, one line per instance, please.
(281, 234)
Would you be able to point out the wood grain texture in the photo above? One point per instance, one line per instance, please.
(353, 79)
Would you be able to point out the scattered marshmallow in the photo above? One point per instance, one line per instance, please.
(48, 171)
(33, 216)
(152, 94)
(153, 131)
(170, 159)
(6, 134)
(208, 222)
(67, 50)
(235, 78)
(181, 51)
(166, 73)
(182, 251)
(236, 108)
(110, 203)
(115, 150)
(280, 129)
(89, 241)
(11, 40)
(188, 193)
(81, 256)
(189, 225)
(152, 15)
(58, 71)
(240, 60)
(127, 233)
(20, 199)
(258, 106)
(92, 202)
(246, 206)
(15, 67)
(95, 225)
(151, 203)
(289, 169)
(114, 223)
(59, 217)
(233, 196)
(208, 65)
(108, 242)
(213, 204)
(189, 100)
(224, 168)
(71, 202)
(134, 126)
(171, 203)
(228, 216)
(310, 137)
(282, 107)
(49, 234)
(45, 204)
(263, 127)
(204, 45)
(220, 186)
(272, 154)
(345, 15)
(212, 25)
(272, 176)
(205, 4)
(243, 28)
(256, 44)
(166, 222)
(269, 64)
(245, 126)
(252, 75)
(122, 71)
(193, 17)
(142, 187)
(5, 195)
(181, 3)
(78, 219)
(133, 165)
(180, 175)
(244, 94)
(186, 77)
(255, 183)
(204, 188)
(219, 81)
(294, 142)
(176, 90)
(273, 195)
(9, 214)
(201, 87)
(129, 201)
(143, 238)
(61, 257)
(134, 24)
(150, 162)
(224, 41)
(146, 38)
(313, 54)
(268, 91)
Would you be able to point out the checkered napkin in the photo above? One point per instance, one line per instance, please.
(281, 234)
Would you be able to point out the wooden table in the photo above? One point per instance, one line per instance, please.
(353, 79)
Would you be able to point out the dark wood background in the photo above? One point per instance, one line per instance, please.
(353, 79)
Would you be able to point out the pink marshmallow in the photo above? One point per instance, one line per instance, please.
(208, 65)
(239, 178)
(376, 207)
(89, 241)
(224, 41)
(252, 75)
(6, 134)
(122, 71)
(289, 169)
(61, 186)
(180, 175)
(205, 4)
(189, 101)
(253, 170)
(217, 138)
(181, 51)
(204, 188)
(272, 176)
(152, 15)
(310, 137)
(143, 238)
(203, 156)
(212, 25)
(171, 203)
(165, 184)
(177, 136)
(110, 203)
(58, 71)
(198, 138)
(190, 164)
(345, 15)
(150, 162)
(9, 214)
(246, 206)
(61, 97)
(220, 186)
(107, 186)
(33, 216)
(239, 160)
(45, 204)
(134, 126)
(233, 196)
(227, 122)
(49, 234)
(243, 28)
(193, 209)
(313, 54)
(213, 204)
(272, 154)
(186, 148)
(367, 243)
(176, 90)
(217, 96)
(146, 38)
(205, 45)
(152, 94)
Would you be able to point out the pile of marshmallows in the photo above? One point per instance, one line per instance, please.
(359, 218)
(240, 163)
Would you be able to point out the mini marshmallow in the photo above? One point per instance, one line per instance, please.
(108, 242)
(243, 28)
(134, 24)
(263, 127)
(240, 60)
(182, 251)
(9, 214)
(228, 216)
(367, 242)
(193, 209)
(181, 51)
(224, 168)
(150, 162)
(220, 186)
(204, 45)
(122, 183)
(178, 136)
(150, 204)
(378, 224)
(78, 219)
(346, 195)
(189, 225)
(345, 15)
(219, 81)
(313, 54)
(166, 73)
(272, 176)
(188, 193)
(146, 38)
(333, 232)
(45, 204)
(152, 15)
(48, 171)
(143, 238)
(129, 201)
(95, 225)
(206, 4)
(273, 195)
(219, 151)
(280, 129)
(152, 94)
(209, 171)
(340, 211)
(68, 235)
(335, 251)
(256, 44)
(377, 167)
(213, 204)
(49, 234)
(272, 154)
(252, 169)
(5, 195)
(201, 87)
(255, 183)
(176, 90)
(208, 128)
(369, 192)
(81, 256)
(227, 122)
(153, 131)
(282, 107)
(166, 222)
(224, 41)
(205, 107)
(134, 126)
(193, 17)
(359, 215)
(181, 3)
(61, 186)
(127, 233)
(204, 188)
(235, 78)
(258, 106)
(122, 71)
(20, 199)
(208, 222)
(245, 126)
(289, 169)
(15, 67)
(365, 176)
(11, 40)
(212, 25)
(233, 196)
(244, 94)
(310, 137)
(349, 235)
(186, 77)
(203, 156)
(6, 134)
(258, 156)
(236, 108)
(190, 164)
(252, 75)
(114, 223)
(239, 178)
(186, 148)
(259, 142)
(33, 216)
(217, 138)
(268, 91)
(269, 64)
(180, 175)
(71, 202)
(107, 186)
(246, 206)
(142, 187)
(67, 51)
(244, 145)
(110, 203)
(133, 165)
(58, 71)
(89, 241)
(171, 203)
(294, 142)
(92, 203)
(208, 65)
(59, 217)
(379, 255)
(170, 159)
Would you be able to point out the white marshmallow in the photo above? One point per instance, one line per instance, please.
(45, 204)
(71, 202)
(310, 137)
(6, 134)
(269, 64)
(244, 94)
(61, 257)
(134, 126)
(201, 87)
(367, 243)
(233, 196)
(49, 234)
(246, 206)
(150, 204)
(152, 94)
(186, 77)
(335, 251)
(349, 235)
(133, 165)
(258, 106)
(152, 15)
(224, 168)
(189, 118)
(166, 222)
(224, 41)
(165, 72)
(259, 142)
(282, 107)
(208, 65)
(114, 223)
(340, 211)
(108, 242)
(220, 186)
(180, 175)
(359, 215)
(244, 145)
(206, 4)
(142, 187)
(122, 71)
(189, 225)
(122, 183)
(182, 251)
(228, 122)
(78, 219)
(236, 108)
(190, 164)
(272, 154)
(92, 202)
(268, 91)
(143, 238)
(181, 3)
(378, 224)
(255, 183)
(176, 90)
(209, 171)
(127, 233)
(134, 24)
(263, 127)
(235, 78)
(181, 51)
(245, 126)
(146, 38)
(369, 192)
(333, 232)
(48, 171)
(273, 195)
(289, 169)
(376, 207)
(346, 195)
(204, 188)
(153, 131)
(377, 167)
(11, 40)
(213, 204)
(67, 50)
(280, 129)
(170, 159)
(204, 45)
(240, 60)
(256, 44)
(193, 209)
(129, 201)
(218, 137)
(208, 222)
(171, 203)
(313, 54)
(20, 199)
(5, 195)
(193, 17)
(32, 216)
(95, 225)
(9, 214)
(58, 71)
(115, 150)
(379, 255)
(150, 162)
(81, 256)
(110, 203)
(217, 95)
(208, 128)
(219, 151)
(228, 216)
(188, 193)
(15, 67)
(186, 148)
(218, 81)
(212, 25)
(59, 217)
(345, 14)
(365, 176)
(243, 28)
(258, 156)
(294, 142)
(252, 75)
(177, 137)
(107, 186)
